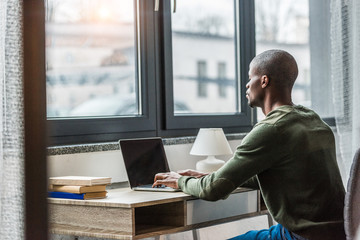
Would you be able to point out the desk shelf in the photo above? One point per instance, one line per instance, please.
(159, 217)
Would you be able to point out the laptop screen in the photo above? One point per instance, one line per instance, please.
(143, 159)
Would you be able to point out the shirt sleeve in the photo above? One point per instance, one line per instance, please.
(251, 183)
(257, 152)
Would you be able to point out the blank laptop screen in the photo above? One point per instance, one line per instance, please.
(143, 159)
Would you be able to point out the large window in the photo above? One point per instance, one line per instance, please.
(119, 69)
(133, 68)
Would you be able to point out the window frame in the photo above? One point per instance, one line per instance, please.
(157, 117)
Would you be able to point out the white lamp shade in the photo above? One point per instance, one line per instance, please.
(211, 142)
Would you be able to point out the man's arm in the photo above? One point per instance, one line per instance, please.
(258, 151)
(251, 183)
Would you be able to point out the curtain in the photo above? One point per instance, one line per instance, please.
(345, 77)
(11, 122)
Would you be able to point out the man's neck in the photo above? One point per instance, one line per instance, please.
(272, 103)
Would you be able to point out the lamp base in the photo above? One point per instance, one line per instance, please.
(210, 164)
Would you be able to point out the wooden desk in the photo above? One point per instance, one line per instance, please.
(127, 214)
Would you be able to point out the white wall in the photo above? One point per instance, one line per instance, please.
(110, 163)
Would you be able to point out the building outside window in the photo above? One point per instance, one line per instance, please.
(91, 58)
(202, 78)
(222, 79)
(209, 31)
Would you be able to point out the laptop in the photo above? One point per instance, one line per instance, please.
(143, 159)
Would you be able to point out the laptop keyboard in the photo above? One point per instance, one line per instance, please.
(150, 186)
(161, 188)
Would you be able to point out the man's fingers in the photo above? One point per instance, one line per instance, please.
(160, 183)
(168, 183)
(168, 179)
(160, 176)
(157, 183)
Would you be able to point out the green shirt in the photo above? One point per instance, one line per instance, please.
(290, 156)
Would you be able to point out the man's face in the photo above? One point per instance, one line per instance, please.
(254, 92)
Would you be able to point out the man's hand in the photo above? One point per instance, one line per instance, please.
(169, 179)
(192, 173)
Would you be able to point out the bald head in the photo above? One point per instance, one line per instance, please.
(280, 67)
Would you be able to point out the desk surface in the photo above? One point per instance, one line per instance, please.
(127, 198)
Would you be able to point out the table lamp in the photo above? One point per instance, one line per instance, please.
(210, 142)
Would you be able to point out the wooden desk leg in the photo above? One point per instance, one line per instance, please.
(161, 237)
(270, 219)
(195, 234)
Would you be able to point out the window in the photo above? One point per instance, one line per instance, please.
(301, 28)
(119, 69)
(204, 33)
(91, 68)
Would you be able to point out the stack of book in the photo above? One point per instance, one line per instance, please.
(78, 187)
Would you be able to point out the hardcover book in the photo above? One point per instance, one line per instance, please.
(79, 180)
(82, 196)
(77, 189)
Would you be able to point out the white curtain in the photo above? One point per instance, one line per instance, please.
(11, 122)
(345, 77)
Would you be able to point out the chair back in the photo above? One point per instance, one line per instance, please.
(352, 199)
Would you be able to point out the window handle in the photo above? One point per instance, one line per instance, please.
(174, 10)
(157, 3)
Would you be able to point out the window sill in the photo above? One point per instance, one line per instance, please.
(114, 146)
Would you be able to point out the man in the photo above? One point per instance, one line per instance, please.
(290, 156)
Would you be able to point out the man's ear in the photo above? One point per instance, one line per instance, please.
(264, 81)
